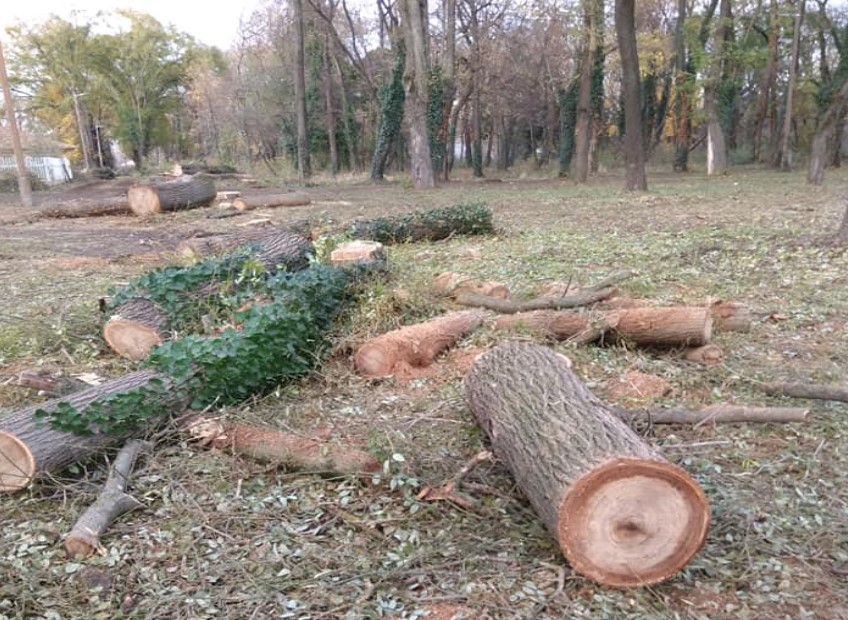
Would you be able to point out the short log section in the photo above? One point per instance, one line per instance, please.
(291, 199)
(182, 193)
(623, 515)
(135, 327)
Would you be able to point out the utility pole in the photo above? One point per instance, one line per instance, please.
(82, 132)
(23, 179)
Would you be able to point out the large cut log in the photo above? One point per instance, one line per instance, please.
(145, 319)
(672, 326)
(415, 345)
(432, 225)
(291, 199)
(87, 207)
(182, 193)
(198, 247)
(716, 414)
(135, 327)
(113, 501)
(622, 514)
(29, 446)
(283, 449)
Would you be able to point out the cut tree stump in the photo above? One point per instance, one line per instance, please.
(113, 501)
(623, 515)
(182, 193)
(672, 326)
(283, 449)
(415, 345)
(135, 327)
(359, 252)
(291, 199)
(29, 447)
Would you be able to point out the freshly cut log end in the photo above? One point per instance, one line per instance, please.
(731, 316)
(17, 464)
(136, 326)
(673, 326)
(130, 339)
(632, 522)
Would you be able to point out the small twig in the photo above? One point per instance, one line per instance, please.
(448, 491)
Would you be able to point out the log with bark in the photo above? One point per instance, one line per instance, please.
(30, 446)
(415, 345)
(731, 316)
(716, 414)
(671, 326)
(137, 324)
(113, 501)
(283, 449)
(805, 390)
(452, 284)
(87, 207)
(622, 514)
(183, 193)
(200, 246)
(433, 225)
(291, 199)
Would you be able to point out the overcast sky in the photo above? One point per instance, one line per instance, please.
(216, 23)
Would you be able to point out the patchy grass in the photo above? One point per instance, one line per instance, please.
(221, 537)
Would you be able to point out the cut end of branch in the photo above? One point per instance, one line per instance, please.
(17, 464)
(632, 522)
(130, 339)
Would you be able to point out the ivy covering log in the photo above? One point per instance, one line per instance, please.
(433, 225)
(622, 514)
(268, 343)
(143, 313)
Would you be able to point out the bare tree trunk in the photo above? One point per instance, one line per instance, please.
(583, 126)
(818, 151)
(24, 188)
(331, 110)
(683, 103)
(449, 68)
(842, 234)
(634, 155)
(304, 168)
(416, 84)
(767, 82)
(783, 157)
(716, 145)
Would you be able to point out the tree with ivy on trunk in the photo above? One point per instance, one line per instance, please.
(634, 153)
(416, 76)
(593, 15)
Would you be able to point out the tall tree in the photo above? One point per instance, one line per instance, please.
(634, 153)
(716, 143)
(304, 165)
(414, 23)
(593, 15)
(783, 155)
(765, 96)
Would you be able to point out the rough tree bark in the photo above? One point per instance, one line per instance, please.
(416, 77)
(818, 151)
(182, 193)
(290, 199)
(622, 515)
(716, 143)
(592, 13)
(304, 166)
(29, 447)
(783, 155)
(767, 82)
(634, 154)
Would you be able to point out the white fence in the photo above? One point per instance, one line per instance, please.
(51, 170)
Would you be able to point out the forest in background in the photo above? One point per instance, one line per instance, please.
(334, 86)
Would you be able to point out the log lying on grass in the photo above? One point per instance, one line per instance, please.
(454, 284)
(29, 446)
(622, 514)
(113, 501)
(716, 414)
(433, 225)
(199, 247)
(143, 313)
(182, 193)
(805, 390)
(291, 199)
(415, 345)
(283, 449)
(731, 316)
(87, 207)
(672, 326)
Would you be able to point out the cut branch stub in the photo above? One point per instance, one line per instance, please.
(622, 514)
